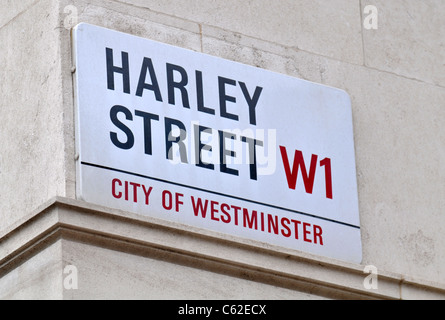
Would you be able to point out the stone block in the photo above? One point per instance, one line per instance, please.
(32, 131)
(409, 41)
(330, 29)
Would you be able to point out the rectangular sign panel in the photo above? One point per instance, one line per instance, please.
(182, 136)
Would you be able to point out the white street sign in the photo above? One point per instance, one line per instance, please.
(182, 136)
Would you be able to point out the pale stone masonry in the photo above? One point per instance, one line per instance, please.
(395, 75)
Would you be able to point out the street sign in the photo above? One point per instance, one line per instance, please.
(182, 136)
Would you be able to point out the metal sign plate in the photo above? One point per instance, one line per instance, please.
(182, 136)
